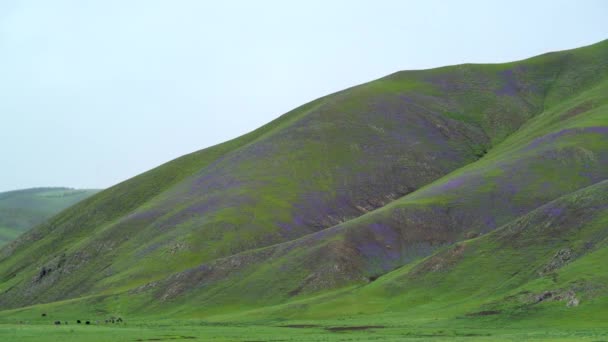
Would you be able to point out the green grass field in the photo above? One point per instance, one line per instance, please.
(339, 330)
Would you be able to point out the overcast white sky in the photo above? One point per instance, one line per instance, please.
(95, 92)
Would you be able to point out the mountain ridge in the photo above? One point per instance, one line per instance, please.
(440, 150)
(23, 209)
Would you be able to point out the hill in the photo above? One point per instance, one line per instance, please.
(470, 193)
(21, 210)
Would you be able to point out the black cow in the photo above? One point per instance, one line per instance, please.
(57, 322)
(78, 321)
(87, 322)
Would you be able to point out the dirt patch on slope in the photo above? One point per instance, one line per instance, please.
(441, 262)
(576, 110)
(559, 260)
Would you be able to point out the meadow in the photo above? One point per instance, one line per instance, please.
(380, 329)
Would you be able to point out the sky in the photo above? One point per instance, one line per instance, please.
(95, 92)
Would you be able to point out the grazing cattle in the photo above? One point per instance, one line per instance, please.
(57, 322)
(44, 315)
(78, 321)
(87, 322)
(119, 320)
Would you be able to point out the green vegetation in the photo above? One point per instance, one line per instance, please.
(194, 331)
(21, 210)
(464, 202)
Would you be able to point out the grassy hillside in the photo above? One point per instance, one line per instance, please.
(501, 187)
(21, 210)
(544, 267)
(539, 277)
(451, 197)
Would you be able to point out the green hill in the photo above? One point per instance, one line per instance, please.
(21, 210)
(426, 203)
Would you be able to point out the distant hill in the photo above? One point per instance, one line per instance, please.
(21, 210)
(473, 193)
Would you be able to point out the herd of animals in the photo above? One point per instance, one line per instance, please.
(111, 320)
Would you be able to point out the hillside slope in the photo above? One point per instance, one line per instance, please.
(21, 210)
(504, 186)
(333, 194)
(545, 268)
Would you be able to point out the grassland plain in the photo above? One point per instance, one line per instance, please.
(21, 210)
(464, 202)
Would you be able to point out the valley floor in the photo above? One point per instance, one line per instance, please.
(289, 331)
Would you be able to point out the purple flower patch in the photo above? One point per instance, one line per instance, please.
(510, 86)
